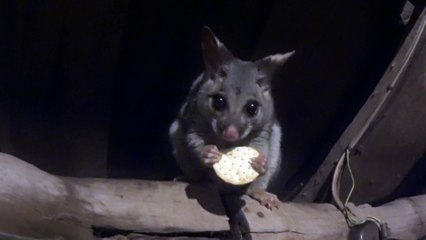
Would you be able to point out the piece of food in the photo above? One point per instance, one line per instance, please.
(234, 167)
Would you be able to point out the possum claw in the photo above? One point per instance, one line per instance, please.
(259, 163)
(266, 199)
(210, 155)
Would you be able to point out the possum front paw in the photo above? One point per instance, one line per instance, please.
(259, 163)
(210, 155)
(266, 199)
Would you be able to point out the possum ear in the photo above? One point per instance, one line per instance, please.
(215, 54)
(270, 64)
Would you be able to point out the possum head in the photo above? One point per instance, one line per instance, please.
(235, 96)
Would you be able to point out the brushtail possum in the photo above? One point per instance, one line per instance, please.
(229, 105)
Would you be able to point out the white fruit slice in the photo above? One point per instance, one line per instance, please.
(234, 167)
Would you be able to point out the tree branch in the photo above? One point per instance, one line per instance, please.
(36, 204)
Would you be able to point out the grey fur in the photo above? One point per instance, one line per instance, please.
(198, 124)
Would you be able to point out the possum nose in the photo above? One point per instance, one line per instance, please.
(231, 134)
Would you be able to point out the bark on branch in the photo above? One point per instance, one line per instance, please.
(34, 203)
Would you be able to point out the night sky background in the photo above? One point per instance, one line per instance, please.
(89, 88)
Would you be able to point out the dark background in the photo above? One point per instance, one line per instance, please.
(89, 88)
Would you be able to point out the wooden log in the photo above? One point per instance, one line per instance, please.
(406, 217)
(35, 203)
(309, 221)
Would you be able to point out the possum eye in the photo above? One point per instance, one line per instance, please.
(252, 107)
(219, 102)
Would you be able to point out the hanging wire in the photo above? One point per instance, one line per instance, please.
(351, 218)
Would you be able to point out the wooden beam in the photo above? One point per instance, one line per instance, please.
(35, 203)
(405, 219)
(402, 85)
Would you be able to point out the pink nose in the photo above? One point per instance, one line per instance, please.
(230, 133)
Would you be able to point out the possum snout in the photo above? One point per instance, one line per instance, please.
(231, 133)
